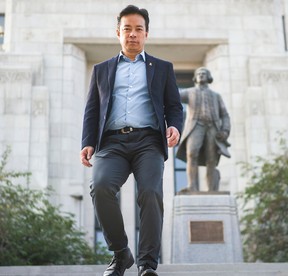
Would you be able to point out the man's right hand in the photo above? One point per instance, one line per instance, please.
(85, 155)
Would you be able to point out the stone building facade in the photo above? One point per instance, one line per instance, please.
(49, 47)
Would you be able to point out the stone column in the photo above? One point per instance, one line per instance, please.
(67, 105)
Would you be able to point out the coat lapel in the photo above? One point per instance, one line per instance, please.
(112, 65)
(150, 69)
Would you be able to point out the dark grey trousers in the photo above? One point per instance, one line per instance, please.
(140, 153)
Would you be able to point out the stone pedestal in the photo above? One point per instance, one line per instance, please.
(205, 229)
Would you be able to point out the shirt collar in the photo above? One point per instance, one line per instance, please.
(139, 56)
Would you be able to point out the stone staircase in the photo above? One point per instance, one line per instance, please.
(237, 269)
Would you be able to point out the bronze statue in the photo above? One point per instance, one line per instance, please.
(207, 127)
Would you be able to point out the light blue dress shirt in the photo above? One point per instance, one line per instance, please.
(131, 102)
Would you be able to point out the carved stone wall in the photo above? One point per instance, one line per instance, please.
(266, 106)
(24, 117)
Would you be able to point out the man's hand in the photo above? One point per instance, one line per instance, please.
(222, 135)
(173, 136)
(85, 155)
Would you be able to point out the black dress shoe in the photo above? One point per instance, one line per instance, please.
(146, 270)
(120, 262)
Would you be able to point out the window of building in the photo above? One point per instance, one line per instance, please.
(284, 33)
(99, 237)
(184, 80)
(137, 221)
(2, 22)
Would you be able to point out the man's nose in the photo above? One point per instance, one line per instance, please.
(132, 34)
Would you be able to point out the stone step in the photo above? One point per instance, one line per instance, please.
(237, 269)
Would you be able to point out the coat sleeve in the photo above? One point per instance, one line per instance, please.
(91, 114)
(184, 95)
(224, 116)
(173, 108)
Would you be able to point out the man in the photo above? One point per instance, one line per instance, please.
(133, 113)
(207, 127)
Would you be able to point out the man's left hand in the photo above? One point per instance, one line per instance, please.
(173, 136)
(222, 135)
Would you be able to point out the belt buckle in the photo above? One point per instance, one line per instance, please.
(126, 130)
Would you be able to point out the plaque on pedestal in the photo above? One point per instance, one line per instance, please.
(205, 229)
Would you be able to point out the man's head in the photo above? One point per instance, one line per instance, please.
(202, 76)
(132, 30)
(131, 9)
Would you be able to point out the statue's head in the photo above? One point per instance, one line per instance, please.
(198, 75)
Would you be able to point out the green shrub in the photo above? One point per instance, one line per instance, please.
(34, 232)
(265, 220)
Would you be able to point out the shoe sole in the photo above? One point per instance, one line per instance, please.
(150, 273)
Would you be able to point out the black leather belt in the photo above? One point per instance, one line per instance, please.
(125, 130)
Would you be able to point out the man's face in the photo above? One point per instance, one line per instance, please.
(132, 34)
(201, 76)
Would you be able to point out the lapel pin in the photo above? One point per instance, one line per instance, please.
(150, 64)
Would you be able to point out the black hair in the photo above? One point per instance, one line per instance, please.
(131, 9)
(209, 76)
